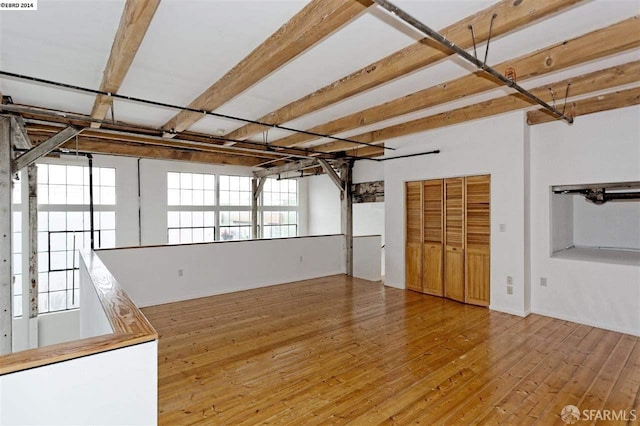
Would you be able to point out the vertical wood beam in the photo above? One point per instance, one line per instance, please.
(346, 213)
(6, 276)
(32, 177)
(256, 185)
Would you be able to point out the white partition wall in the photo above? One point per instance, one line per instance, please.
(367, 253)
(163, 274)
(112, 388)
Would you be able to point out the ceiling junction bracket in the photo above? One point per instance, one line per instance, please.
(473, 38)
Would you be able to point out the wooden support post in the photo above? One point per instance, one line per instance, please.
(32, 174)
(256, 185)
(346, 216)
(6, 276)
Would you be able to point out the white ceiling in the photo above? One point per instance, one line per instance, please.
(192, 43)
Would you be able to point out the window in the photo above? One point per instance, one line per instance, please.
(278, 224)
(190, 227)
(16, 225)
(235, 191)
(235, 208)
(235, 225)
(280, 208)
(200, 211)
(280, 192)
(64, 228)
(191, 216)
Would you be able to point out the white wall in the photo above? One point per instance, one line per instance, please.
(366, 257)
(613, 224)
(324, 205)
(117, 387)
(93, 320)
(151, 275)
(561, 221)
(492, 146)
(603, 147)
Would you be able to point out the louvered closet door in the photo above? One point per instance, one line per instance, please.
(478, 233)
(413, 248)
(454, 239)
(432, 253)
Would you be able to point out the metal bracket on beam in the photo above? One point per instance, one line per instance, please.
(287, 168)
(44, 148)
(332, 174)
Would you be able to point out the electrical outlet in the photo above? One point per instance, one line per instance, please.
(509, 280)
(503, 227)
(180, 272)
(509, 290)
(543, 281)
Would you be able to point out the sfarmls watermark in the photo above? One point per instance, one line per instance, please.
(19, 5)
(571, 415)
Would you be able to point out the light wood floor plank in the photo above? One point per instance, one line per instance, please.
(337, 350)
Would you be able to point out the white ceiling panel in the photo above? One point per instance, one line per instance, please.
(64, 41)
(190, 44)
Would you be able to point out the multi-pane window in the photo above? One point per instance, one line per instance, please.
(16, 224)
(235, 225)
(190, 227)
(278, 224)
(235, 208)
(280, 192)
(280, 208)
(191, 215)
(198, 211)
(64, 228)
(235, 190)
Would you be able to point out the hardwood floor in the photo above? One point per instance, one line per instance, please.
(337, 351)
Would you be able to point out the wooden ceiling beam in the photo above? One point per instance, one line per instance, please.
(510, 16)
(54, 119)
(605, 102)
(39, 130)
(134, 22)
(594, 45)
(599, 80)
(99, 146)
(309, 26)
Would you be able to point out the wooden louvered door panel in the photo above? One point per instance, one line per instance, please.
(477, 236)
(413, 248)
(454, 239)
(432, 253)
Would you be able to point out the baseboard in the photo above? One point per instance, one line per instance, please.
(591, 323)
(509, 311)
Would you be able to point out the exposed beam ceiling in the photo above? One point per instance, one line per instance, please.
(604, 102)
(312, 24)
(594, 45)
(135, 20)
(361, 101)
(588, 83)
(510, 16)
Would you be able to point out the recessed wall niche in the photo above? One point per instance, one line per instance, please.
(596, 222)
